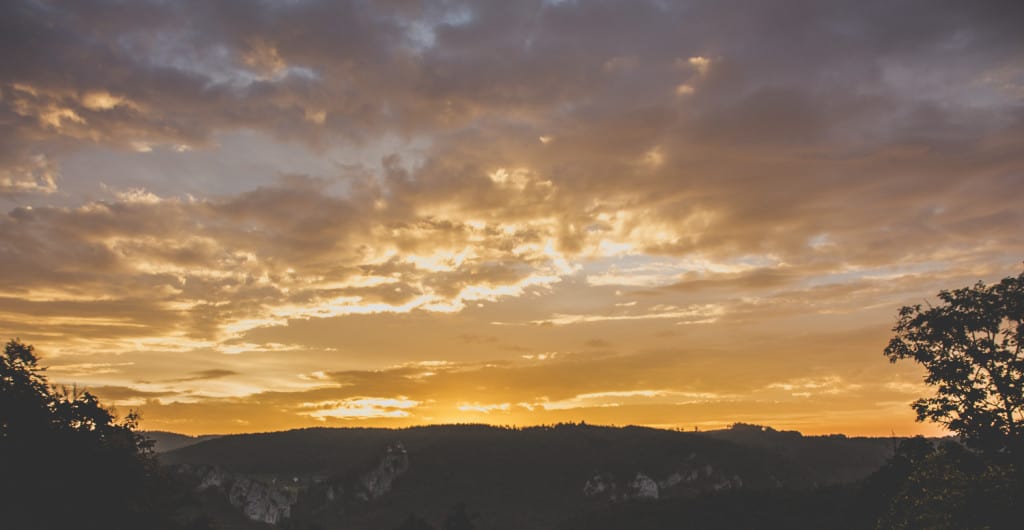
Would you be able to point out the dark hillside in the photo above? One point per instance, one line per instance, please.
(374, 478)
(169, 441)
(829, 459)
(784, 509)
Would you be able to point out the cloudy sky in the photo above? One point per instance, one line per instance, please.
(247, 216)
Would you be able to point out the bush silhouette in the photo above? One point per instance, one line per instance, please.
(414, 522)
(459, 519)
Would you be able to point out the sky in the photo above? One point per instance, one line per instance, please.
(240, 216)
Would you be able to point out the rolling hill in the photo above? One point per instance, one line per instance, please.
(534, 477)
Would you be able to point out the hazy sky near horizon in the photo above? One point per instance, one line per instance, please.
(247, 216)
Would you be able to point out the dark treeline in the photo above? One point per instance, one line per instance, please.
(926, 485)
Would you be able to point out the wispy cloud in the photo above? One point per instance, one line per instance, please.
(703, 314)
(204, 375)
(362, 408)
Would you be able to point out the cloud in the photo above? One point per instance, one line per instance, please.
(218, 268)
(682, 315)
(203, 375)
(119, 393)
(807, 387)
(80, 369)
(618, 398)
(197, 178)
(37, 174)
(362, 408)
(485, 408)
(855, 111)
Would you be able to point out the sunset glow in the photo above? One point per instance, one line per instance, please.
(656, 213)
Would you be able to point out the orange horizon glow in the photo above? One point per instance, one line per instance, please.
(869, 430)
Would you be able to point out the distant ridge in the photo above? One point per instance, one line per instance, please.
(169, 441)
(373, 477)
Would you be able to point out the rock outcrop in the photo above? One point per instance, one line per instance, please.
(604, 485)
(271, 499)
(600, 484)
(268, 502)
(377, 482)
(641, 487)
(265, 500)
(691, 478)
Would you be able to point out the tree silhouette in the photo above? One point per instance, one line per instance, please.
(65, 461)
(24, 395)
(971, 347)
(459, 519)
(415, 522)
(948, 487)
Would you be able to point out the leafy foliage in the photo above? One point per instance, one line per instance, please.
(767, 509)
(922, 487)
(66, 462)
(415, 522)
(971, 348)
(459, 519)
(947, 488)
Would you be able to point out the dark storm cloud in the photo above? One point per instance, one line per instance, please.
(775, 120)
(187, 68)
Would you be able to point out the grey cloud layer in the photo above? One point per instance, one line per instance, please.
(178, 71)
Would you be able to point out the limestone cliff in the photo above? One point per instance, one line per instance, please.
(690, 478)
(272, 499)
(377, 482)
(265, 500)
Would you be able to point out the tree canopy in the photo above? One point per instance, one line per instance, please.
(67, 462)
(970, 346)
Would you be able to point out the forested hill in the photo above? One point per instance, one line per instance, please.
(829, 459)
(164, 441)
(372, 478)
